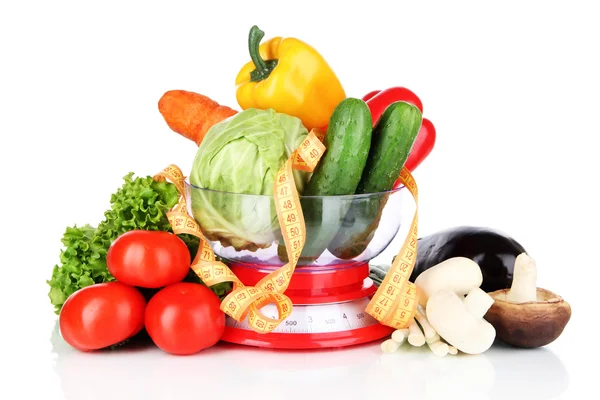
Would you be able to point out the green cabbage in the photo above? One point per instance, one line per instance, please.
(240, 156)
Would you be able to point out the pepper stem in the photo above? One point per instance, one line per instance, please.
(263, 67)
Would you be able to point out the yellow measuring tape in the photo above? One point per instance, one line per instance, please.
(395, 302)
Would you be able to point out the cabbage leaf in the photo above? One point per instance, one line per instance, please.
(237, 157)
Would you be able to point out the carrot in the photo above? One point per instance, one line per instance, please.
(191, 114)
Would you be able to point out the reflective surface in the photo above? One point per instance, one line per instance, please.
(353, 373)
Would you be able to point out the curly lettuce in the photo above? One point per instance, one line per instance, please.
(140, 203)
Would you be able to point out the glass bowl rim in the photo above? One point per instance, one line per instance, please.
(344, 196)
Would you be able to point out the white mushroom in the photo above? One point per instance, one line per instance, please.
(457, 274)
(452, 350)
(436, 345)
(428, 330)
(433, 339)
(400, 335)
(438, 348)
(461, 323)
(390, 346)
(415, 336)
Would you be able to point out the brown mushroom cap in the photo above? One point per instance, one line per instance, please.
(530, 324)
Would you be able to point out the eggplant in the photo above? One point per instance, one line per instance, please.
(494, 251)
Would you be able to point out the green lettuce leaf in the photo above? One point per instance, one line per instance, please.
(140, 203)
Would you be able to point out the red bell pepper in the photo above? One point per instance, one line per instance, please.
(368, 96)
(379, 100)
(422, 146)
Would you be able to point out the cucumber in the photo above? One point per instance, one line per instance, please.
(348, 141)
(339, 172)
(393, 138)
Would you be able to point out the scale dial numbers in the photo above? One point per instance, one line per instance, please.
(322, 318)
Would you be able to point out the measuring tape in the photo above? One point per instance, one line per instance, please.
(395, 302)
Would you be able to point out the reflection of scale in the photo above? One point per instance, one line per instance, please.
(329, 304)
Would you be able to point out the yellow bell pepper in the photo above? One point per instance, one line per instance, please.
(291, 77)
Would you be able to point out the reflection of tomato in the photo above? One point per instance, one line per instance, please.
(149, 259)
(185, 318)
(101, 315)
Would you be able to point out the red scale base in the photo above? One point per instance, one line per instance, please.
(315, 288)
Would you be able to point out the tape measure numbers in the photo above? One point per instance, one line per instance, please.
(395, 302)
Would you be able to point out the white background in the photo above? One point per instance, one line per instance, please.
(512, 88)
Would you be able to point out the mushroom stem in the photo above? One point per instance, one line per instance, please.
(478, 302)
(452, 350)
(428, 330)
(400, 335)
(415, 336)
(433, 339)
(439, 348)
(523, 288)
(390, 346)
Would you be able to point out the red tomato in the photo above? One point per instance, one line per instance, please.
(101, 315)
(149, 259)
(185, 318)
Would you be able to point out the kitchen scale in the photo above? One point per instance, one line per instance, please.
(329, 289)
(328, 311)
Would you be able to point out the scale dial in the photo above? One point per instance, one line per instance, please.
(318, 318)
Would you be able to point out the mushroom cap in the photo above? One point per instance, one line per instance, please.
(451, 319)
(530, 324)
(457, 274)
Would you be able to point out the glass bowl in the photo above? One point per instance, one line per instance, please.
(341, 231)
